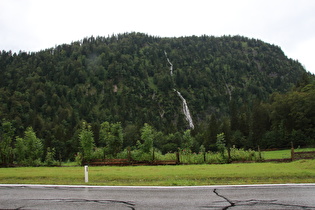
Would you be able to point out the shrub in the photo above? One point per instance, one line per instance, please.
(28, 150)
(49, 159)
(187, 157)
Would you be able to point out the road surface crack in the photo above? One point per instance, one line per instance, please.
(255, 202)
(231, 203)
(127, 204)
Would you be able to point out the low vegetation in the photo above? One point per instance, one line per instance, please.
(302, 171)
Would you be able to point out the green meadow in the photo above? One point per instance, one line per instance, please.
(302, 171)
(281, 154)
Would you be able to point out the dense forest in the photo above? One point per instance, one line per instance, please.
(245, 88)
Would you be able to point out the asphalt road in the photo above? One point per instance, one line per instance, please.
(201, 197)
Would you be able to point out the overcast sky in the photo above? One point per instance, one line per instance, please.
(32, 25)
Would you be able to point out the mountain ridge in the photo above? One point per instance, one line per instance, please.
(126, 78)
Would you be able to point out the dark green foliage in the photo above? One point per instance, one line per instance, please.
(220, 143)
(29, 149)
(125, 78)
(293, 115)
(50, 157)
(86, 139)
(111, 137)
(147, 136)
(188, 140)
(6, 140)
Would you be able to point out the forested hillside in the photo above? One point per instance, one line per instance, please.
(130, 79)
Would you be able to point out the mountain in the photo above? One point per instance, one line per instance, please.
(135, 78)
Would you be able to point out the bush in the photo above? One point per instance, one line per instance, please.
(99, 153)
(187, 157)
(79, 158)
(50, 160)
(243, 155)
(139, 155)
(28, 150)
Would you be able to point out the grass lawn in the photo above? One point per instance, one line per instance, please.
(280, 154)
(302, 171)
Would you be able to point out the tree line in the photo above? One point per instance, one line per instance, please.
(233, 85)
(284, 119)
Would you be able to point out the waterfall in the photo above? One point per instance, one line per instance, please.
(185, 106)
(186, 110)
(169, 62)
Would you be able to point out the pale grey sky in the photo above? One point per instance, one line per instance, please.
(32, 25)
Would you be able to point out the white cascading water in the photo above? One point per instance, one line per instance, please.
(185, 106)
(169, 62)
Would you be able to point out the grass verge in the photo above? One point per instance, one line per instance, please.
(280, 154)
(302, 171)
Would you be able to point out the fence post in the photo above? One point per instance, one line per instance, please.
(292, 151)
(86, 173)
(104, 154)
(153, 157)
(129, 154)
(229, 154)
(177, 158)
(259, 153)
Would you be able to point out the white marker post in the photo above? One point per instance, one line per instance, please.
(86, 173)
